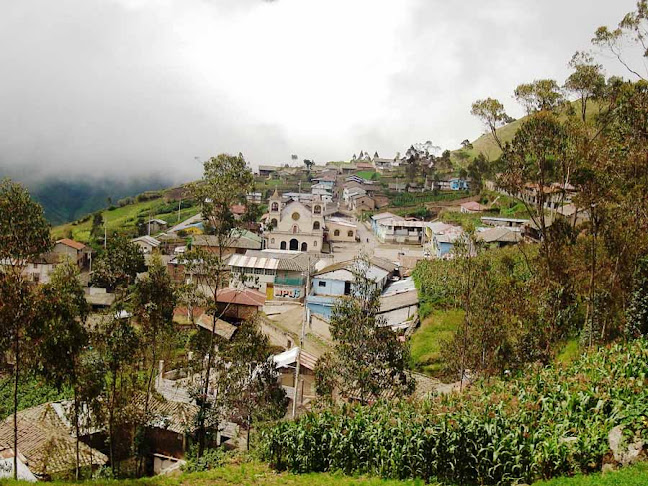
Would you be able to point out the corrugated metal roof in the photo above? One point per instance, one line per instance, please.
(253, 262)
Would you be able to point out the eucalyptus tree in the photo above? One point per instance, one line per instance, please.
(226, 179)
(24, 235)
(154, 300)
(492, 114)
(368, 360)
(63, 338)
(540, 95)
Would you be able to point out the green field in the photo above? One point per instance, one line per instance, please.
(631, 476)
(251, 473)
(368, 175)
(124, 219)
(427, 341)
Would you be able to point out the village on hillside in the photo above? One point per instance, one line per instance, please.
(288, 267)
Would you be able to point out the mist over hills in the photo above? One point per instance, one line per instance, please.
(69, 199)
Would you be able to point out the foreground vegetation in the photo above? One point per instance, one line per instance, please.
(256, 473)
(538, 425)
(247, 473)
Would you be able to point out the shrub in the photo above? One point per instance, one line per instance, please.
(211, 459)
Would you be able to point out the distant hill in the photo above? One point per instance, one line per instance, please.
(125, 218)
(486, 145)
(65, 201)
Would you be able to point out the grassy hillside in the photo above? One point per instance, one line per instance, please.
(65, 201)
(162, 205)
(486, 145)
(428, 340)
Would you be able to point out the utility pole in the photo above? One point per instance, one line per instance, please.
(301, 341)
(105, 232)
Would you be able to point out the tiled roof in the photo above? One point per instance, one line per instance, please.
(223, 329)
(241, 296)
(169, 415)
(239, 239)
(45, 442)
(71, 243)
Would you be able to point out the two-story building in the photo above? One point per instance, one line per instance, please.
(280, 274)
(74, 251)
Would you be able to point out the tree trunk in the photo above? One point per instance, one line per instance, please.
(111, 424)
(15, 400)
(77, 471)
(146, 407)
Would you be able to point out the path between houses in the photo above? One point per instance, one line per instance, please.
(287, 319)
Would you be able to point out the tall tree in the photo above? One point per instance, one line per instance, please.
(226, 178)
(24, 234)
(368, 361)
(492, 114)
(116, 268)
(586, 81)
(63, 337)
(633, 27)
(252, 387)
(118, 343)
(154, 301)
(540, 95)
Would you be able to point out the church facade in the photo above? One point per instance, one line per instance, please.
(294, 226)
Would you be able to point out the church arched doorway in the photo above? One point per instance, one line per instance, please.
(294, 244)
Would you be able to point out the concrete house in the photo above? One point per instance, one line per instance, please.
(148, 244)
(74, 251)
(279, 274)
(335, 281)
(341, 230)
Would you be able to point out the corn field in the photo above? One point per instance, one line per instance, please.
(543, 423)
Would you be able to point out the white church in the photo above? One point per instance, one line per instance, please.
(295, 226)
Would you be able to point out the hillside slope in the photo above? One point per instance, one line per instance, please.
(153, 204)
(486, 145)
(67, 200)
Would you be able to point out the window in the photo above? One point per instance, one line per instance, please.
(350, 234)
(336, 233)
(315, 243)
(321, 283)
(295, 229)
(283, 245)
(272, 240)
(317, 209)
(316, 225)
(273, 223)
(275, 206)
(295, 216)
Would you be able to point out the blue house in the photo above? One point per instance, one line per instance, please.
(457, 184)
(336, 281)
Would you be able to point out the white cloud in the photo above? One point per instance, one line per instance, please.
(139, 86)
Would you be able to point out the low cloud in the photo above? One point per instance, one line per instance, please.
(136, 88)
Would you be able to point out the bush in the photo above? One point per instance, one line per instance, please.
(211, 459)
(541, 424)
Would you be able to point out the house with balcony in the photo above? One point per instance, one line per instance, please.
(279, 274)
(401, 231)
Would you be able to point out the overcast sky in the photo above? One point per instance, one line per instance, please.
(140, 87)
